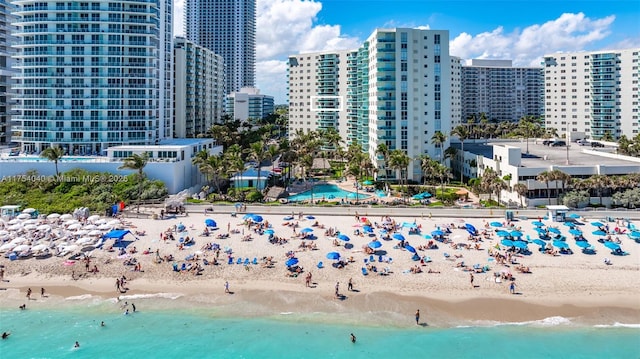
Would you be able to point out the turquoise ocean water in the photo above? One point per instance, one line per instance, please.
(200, 333)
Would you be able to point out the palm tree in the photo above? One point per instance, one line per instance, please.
(497, 186)
(545, 177)
(399, 160)
(257, 153)
(521, 189)
(529, 127)
(137, 163)
(53, 154)
(383, 150)
(216, 167)
(463, 133)
(439, 139)
(487, 182)
(427, 167)
(599, 183)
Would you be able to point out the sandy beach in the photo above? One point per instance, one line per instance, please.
(578, 286)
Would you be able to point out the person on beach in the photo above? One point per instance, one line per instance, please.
(226, 287)
(512, 287)
(42, 292)
(29, 293)
(350, 285)
(23, 307)
(353, 338)
(471, 279)
(133, 306)
(417, 316)
(2, 274)
(337, 289)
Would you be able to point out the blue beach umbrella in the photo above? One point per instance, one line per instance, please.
(520, 244)
(540, 242)
(507, 243)
(503, 234)
(574, 216)
(367, 183)
(437, 232)
(248, 216)
(516, 234)
(291, 262)
(597, 224)
(426, 236)
(634, 235)
(495, 224)
(367, 229)
(569, 224)
(560, 244)
(554, 230)
(306, 230)
(210, 222)
(599, 233)
(269, 231)
(398, 236)
(410, 248)
(575, 232)
(343, 237)
(611, 245)
(256, 218)
(583, 244)
(375, 244)
(333, 255)
(470, 227)
(311, 217)
(539, 230)
(537, 223)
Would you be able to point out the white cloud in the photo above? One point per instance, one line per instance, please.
(569, 32)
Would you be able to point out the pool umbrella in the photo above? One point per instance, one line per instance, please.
(503, 234)
(554, 230)
(426, 236)
(537, 223)
(343, 237)
(375, 244)
(540, 242)
(333, 255)
(495, 224)
(560, 244)
(367, 183)
(599, 233)
(583, 244)
(256, 218)
(210, 222)
(575, 232)
(608, 244)
(248, 216)
(306, 230)
(291, 262)
(597, 224)
(437, 232)
(269, 231)
(409, 248)
(574, 216)
(398, 236)
(520, 244)
(516, 234)
(506, 243)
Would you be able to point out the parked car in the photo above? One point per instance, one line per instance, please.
(597, 144)
(558, 144)
(547, 142)
(582, 142)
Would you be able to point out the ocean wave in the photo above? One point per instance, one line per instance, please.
(546, 322)
(286, 313)
(171, 296)
(617, 325)
(79, 297)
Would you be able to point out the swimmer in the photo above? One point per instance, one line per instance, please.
(102, 324)
(353, 338)
(5, 335)
(76, 345)
(126, 312)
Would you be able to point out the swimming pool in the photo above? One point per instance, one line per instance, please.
(328, 191)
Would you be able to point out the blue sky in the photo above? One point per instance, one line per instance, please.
(520, 30)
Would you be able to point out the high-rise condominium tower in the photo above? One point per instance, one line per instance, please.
(228, 28)
(94, 74)
(6, 70)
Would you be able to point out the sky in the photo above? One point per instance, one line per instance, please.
(518, 30)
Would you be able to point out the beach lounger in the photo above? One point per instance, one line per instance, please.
(320, 265)
(175, 267)
(239, 261)
(246, 261)
(254, 261)
(380, 259)
(184, 267)
(205, 261)
(364, 271)
(230, 260)
(372, 258)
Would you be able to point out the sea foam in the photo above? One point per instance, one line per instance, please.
(171, 296)
(618, 325)
(545, 322)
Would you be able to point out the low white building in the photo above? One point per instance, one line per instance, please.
(248, 103)
(170, 162)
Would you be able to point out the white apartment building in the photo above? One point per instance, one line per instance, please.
(593, 92)
(248, 103)
(199, 88)
(395, 89)
(456, 92)
(6, 70)
(501, 91)
(93, 74)
(228, 28)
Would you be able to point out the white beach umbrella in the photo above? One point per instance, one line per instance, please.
(29, 210)
(15, 227)
(70, 222)
(24, 216)
(113, 222)
(30, 227)
(95, 232)
(90, 227)
(71, 248)
(74, 226)
(8, 246)
(14, 221)
(66, 216)
(100, 221)
(22, 247)
(84, 240)
(53, 216)
(39, 247)
(105, 227)
(44, 227)
(93, 218)
(81, 232)
(3, 232)
(30, 221)
(18, 240)
(4, 237)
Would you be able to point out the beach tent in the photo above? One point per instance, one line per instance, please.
(118, 235)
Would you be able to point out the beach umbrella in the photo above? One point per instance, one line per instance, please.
(93, 218)
(426, 236)
(560, 244)
(90, 227)
(409, 248)
(343, 237)
(18, 240)
(66, 216)
(367, 183)
(210, 222)
(24, 216)
(15, 227)
(306, 230)
(437, 232)
(71, 248)
(74, 226)
(14, 221)
(21, 247)
(539, 230)
(367, 229)
(569, 224)
(583, 244)
(554, 230)
(100, 221)
(375, 244)
(105, 227)
(634, 235)
(291, 262)
(95, 232)
(516, 234)
(333, 255)
(8, 246)
(257, 218)
(597, 224)
(311, 217)
(503, 234)
(3, 232)
(30, 227)
(53, 216)
(537, 223)
(520, 244)
(84, 240)
(575, 232)
(574, 216)
(540, 242)
(495, 224)
(398, 236)
(608, 244)
(39, 247)
(599, 233)
(287, 218)
(506, 243)
(269, 231)
(248, 216)
(470, 227)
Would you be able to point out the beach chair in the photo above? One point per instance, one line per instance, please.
(239, 261)
(230, 260)
(205, 261)
(320, 265)
(184, 267)
(175, 267)
(246, 261)
(380, 259)
(372, 258)
(254, 261)
(364, 271)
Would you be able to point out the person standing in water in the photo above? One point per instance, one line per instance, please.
(353, 338)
